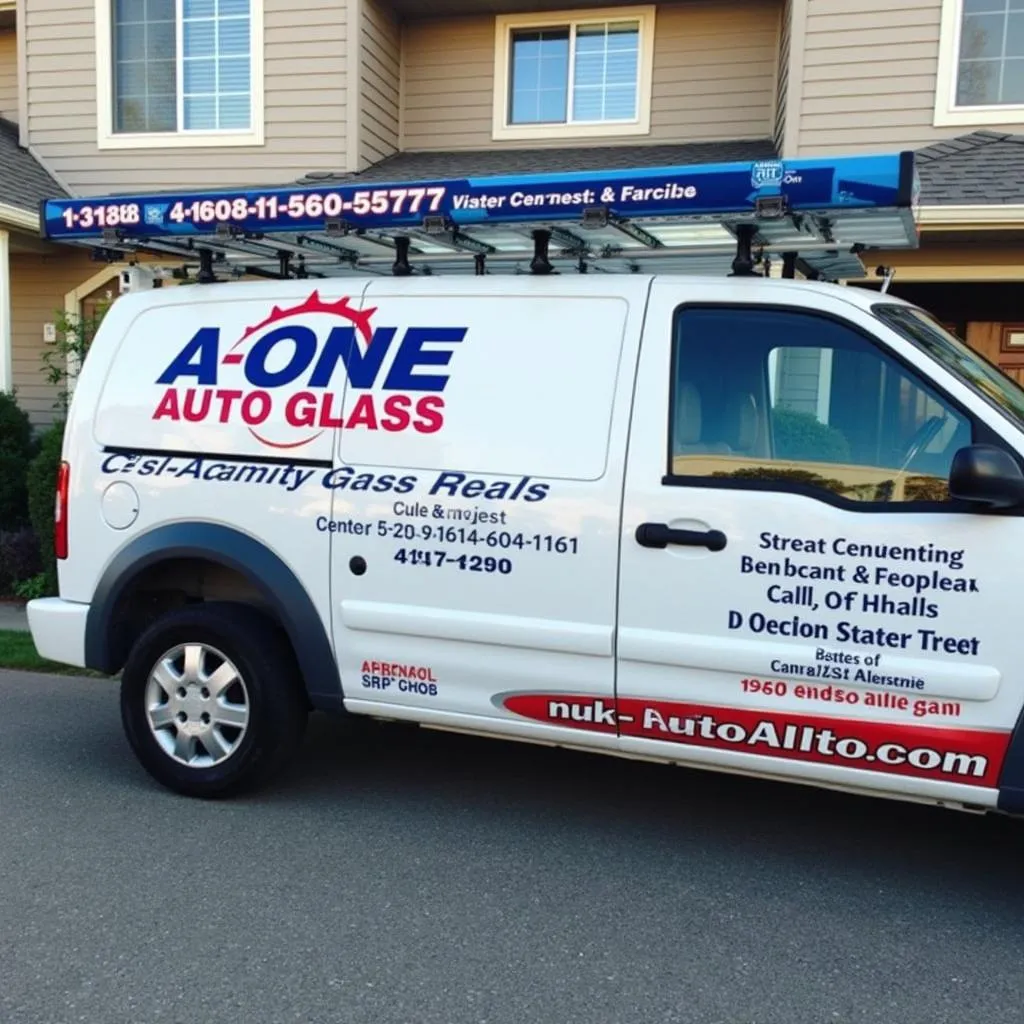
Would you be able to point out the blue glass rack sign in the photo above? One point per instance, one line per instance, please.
(722, 192)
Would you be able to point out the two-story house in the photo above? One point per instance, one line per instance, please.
(118, 96)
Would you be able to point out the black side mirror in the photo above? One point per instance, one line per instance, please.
(986, 475)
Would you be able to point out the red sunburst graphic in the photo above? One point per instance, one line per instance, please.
(359, 318)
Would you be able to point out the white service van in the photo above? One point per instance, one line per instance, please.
(755, 525)
(733, 522)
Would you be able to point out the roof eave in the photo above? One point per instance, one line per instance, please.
(967, 216)
(16, 217)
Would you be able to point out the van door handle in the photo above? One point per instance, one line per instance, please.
(660, 535)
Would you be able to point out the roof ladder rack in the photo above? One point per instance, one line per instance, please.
(541, 264)
(206, 274)
(401, 267)
(743, 262)
(815, 215)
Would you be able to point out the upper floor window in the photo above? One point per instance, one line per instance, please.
(179, 72)
(573, 75)
(981, 63)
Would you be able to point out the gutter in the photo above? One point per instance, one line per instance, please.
(15, 217)
(1003, 215)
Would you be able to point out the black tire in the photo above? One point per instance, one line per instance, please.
(277, 705)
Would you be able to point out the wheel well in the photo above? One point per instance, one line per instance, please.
(188, 562)
(174, 583)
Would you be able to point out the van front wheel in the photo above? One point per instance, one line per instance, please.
(211, 700)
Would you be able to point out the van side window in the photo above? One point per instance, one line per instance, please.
(774, 396)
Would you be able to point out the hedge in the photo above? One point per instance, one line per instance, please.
(42, 492)
(16, 450)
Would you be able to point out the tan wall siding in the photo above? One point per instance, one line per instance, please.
(8, 75)
(38, 287)
(305, 104)
(380, 61)
(870, 76)
(714, 77)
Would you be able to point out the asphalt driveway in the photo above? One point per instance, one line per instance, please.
(406, 877)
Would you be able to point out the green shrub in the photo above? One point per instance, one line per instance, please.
(33, 587)
(16, 449)
(800, 437)
(42, 492)
(19, 558)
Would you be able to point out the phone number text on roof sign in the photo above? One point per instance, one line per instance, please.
(704, 190)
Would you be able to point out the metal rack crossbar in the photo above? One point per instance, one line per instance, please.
(813, 216)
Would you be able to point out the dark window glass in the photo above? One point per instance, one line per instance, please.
(773, 395)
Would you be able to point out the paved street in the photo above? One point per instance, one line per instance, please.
(412, 878)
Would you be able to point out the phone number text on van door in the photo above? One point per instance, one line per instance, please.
(465, 563)
(415, 535)
(502, 539)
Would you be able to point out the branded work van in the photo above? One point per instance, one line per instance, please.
(740, 523)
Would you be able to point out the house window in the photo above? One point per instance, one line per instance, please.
(179, 72)
(579, 74)
(1012, 339)
(981, 63)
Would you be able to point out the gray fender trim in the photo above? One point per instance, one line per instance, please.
(277, 584)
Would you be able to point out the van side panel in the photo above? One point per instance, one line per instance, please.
(475, 562)
(199, 443)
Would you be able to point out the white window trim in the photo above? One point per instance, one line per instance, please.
(106, 138)
(947, 113)
(503, 26)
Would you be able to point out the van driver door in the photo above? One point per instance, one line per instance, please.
(799, 595)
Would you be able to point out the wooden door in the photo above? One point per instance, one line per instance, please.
(1002, 344)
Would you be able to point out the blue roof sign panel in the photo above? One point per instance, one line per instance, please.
(690, 219)
(710, 190)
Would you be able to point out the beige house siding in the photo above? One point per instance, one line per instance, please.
(714, 77)
(305, 104)
(38, 287)
(379, 82)
(8, 75)
(869, 77)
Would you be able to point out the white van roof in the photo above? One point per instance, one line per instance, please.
(630, 286)
(813, 215)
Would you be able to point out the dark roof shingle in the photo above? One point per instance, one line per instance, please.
(474, 163)
(23, 181)
(981, 168)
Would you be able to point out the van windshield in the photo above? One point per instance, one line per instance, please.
(969, 366)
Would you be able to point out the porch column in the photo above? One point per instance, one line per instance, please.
(6, 334)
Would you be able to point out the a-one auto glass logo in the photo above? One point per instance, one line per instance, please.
(285, 377)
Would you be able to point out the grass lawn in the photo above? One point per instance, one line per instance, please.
(18, 652)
